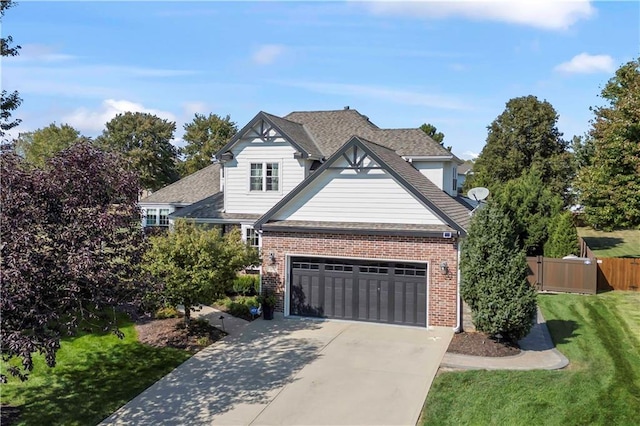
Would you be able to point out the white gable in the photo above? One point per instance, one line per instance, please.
(356, 189)
(262, 131)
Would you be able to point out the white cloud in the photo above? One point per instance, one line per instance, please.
(469, 155)
(90, 122)
(191, 108)
(403, 97)
(587, 64)
(39, 53)
(545, 14)
(268, 53)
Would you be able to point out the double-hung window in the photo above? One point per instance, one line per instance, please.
(253, 238)
(264, 177)
(157, 217)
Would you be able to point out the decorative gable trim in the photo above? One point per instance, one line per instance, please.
(355, 160)
(262, 127)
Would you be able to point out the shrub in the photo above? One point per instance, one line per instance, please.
(240, 306)
(246, 284)
(563, 237)
(167, 312)
(494, 276)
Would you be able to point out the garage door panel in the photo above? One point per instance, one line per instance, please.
(359, 290)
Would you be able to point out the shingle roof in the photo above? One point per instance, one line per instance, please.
(451, 211)
(331, 129)
(464, 168)
(284, 225)
(189, 189)
(297, 133)
(211, 208)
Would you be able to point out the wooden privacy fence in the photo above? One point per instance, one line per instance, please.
(564, 275)
(618, 273)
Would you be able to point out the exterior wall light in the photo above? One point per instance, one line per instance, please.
(444, 268)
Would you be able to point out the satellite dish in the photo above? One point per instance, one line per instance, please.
(479, 193)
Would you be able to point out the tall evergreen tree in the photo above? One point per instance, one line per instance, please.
(609, 186)
(494, 276)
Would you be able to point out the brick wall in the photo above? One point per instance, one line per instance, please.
(442, 287)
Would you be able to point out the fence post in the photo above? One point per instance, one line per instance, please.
(540, 277)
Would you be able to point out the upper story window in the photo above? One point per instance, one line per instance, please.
(264, 177)
(157, 217)
(455, 179)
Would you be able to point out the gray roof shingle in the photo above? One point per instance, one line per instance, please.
(331, 129)
(211, 208)
(189, 189)
(297, 133)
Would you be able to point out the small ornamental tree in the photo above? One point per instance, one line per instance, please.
(70, 248)
(563, 237)
(494, 276)
(195, 264)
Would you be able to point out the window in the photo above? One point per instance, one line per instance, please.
(164, 217)
(455, 179)
(152, 217)
(264, 177)
(253, 238)
(157, 217)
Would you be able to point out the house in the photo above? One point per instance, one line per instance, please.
(354, 222)
(464, 170)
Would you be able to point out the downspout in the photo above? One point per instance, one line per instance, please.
(458, 328)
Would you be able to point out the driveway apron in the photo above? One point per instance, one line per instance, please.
(299, 372)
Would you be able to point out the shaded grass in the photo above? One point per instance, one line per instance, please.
(624, 243)
(600, 335)
(94, 376)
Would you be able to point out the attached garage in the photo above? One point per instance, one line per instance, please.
(359, 290)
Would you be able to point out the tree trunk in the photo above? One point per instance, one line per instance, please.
(187, 316)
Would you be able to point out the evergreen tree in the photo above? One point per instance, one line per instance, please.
(494, 276)
(563, 237)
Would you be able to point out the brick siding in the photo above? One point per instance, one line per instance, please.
(442, 287)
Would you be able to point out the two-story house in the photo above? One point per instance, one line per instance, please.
(354, 221)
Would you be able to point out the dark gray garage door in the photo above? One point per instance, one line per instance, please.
(361, 290)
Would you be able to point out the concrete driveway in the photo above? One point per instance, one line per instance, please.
(298, 372)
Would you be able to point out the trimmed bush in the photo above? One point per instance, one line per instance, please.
(494, 276)
(240, 306)
(167, 312)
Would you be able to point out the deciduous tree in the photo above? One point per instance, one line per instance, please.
(204, 136)
(40, 145)
(609, 185)
(9, 102)
(145, 140)
(525, 135)
(494, 276)
(71, 246)
(195, 265)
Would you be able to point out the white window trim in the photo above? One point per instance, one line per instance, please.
(245, 232)
(264, 178)
(156, 211)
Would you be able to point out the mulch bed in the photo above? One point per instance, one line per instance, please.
(172, 332)
(480, 344)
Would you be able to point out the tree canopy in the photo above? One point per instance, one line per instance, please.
(433, 133)
(145, 140)
(204, 136)
(494, 276)
(609, 183)
(40, 145)
(9, 102)
(195, 264)
(71, 246)
(525, 135)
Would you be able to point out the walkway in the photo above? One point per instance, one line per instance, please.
(538, 353)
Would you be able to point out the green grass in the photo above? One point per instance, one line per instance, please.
(94, 376)
(600, 335)
(625, 243)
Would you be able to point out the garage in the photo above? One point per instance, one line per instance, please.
(359, 289)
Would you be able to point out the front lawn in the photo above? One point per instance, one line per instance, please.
(600, 334)
(625, 243)
(95, 375)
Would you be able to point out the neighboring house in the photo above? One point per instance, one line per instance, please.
(463, 171)
(354, 222)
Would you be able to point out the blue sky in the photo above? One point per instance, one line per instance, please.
(452, 64)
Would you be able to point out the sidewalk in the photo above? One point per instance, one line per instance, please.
(538, 353)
